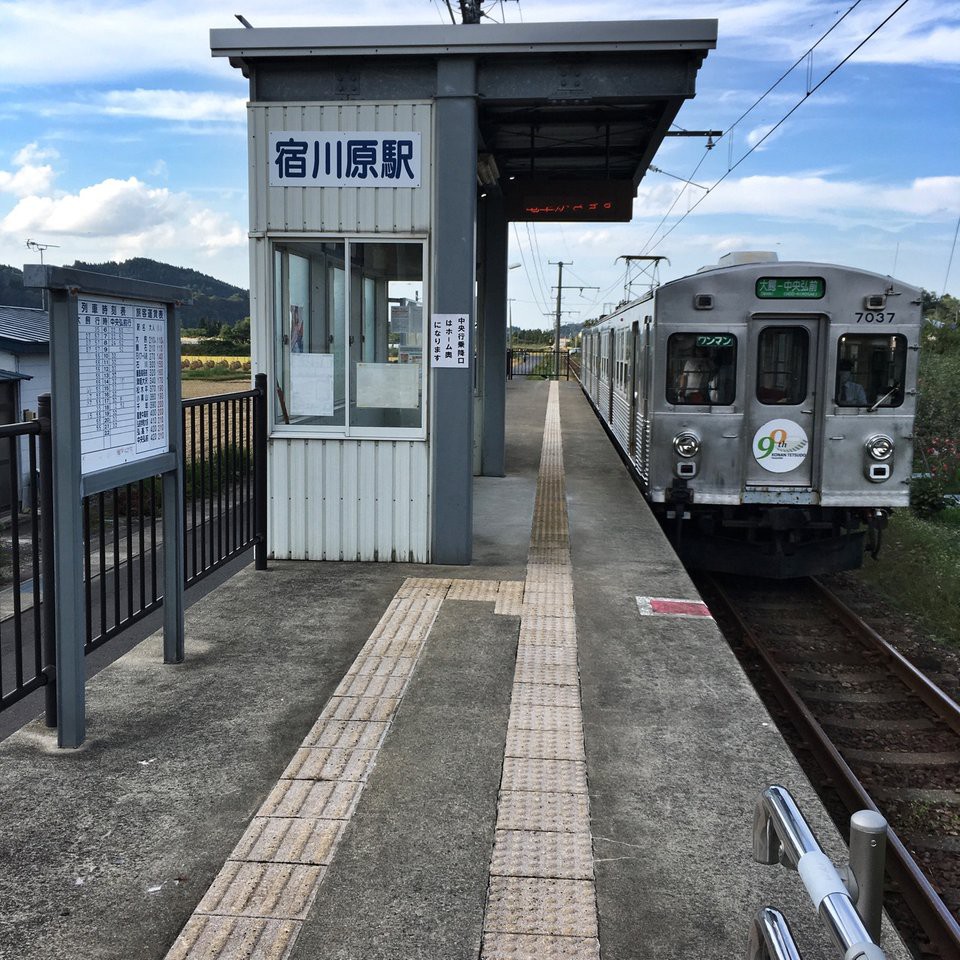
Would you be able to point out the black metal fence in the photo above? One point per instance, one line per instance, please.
(224, 488)
(538, 363)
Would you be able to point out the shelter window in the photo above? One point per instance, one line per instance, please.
(871, 369)
(702, 368)
(782, 357)
(348, 336)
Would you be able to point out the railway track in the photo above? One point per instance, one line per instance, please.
(885, 737)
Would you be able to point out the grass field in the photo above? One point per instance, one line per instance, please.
(191, 389)
(919, 570)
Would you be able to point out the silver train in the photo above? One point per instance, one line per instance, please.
(766, 409)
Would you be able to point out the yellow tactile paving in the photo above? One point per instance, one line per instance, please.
(481, 590)
(509, 598)
(282, 891)
(252, 938)
(288, 840)
(541, 901)
(545, 744)
(530, 717)
(542, 853)
(327, 799)
(516, 946)
(536, 905)
(326, 763)
(535, 810)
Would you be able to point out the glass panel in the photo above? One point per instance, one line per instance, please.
(309, 324)
(386, 367)
(702, 368)
(782, 354)
(871, 369)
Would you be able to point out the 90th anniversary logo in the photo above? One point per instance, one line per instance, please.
(780, 446)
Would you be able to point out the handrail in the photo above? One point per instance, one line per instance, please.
(781, 835)
(770, 937)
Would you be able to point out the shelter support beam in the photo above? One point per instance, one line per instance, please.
(493, 293)
(454, 244)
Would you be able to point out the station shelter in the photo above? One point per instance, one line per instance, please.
(386, 164)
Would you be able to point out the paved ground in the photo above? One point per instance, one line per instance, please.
(108, 850)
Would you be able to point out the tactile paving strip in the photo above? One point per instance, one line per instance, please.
(541, 902)
(257, 904)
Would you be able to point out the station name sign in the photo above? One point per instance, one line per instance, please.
(344, 159)
(791, 288)
(569, 200)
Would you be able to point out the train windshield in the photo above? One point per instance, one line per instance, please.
(782, 365)
(702, 368)
(871, 369)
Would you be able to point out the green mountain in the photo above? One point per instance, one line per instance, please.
(214, 302)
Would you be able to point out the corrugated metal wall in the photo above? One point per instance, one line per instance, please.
(348, 500)
(345, 209)
(338, 499)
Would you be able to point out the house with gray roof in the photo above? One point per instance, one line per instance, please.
(24, 375)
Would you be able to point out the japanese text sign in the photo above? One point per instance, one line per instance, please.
(123, 381)
(450, 340)
(352, 159)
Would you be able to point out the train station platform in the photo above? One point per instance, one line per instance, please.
(506, 760)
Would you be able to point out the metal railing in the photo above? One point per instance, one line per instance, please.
(522, 362)
(22, 654)
(850, 905)
(224, 486)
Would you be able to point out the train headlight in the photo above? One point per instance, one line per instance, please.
(880, 447)
(686, 444)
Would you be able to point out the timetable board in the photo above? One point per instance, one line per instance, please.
(123, 381)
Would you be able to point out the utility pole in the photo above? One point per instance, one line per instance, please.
(556, 330)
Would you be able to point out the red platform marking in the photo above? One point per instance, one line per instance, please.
(664, 606)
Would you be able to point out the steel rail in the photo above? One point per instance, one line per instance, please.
(936, 699)
(928, 908)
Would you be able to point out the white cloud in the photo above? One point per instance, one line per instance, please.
(31, 177)
(173, 105)
(125, 218)
(810, 197)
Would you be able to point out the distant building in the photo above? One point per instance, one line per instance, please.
(24, 375)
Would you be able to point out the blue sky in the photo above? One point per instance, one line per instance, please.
(122, 136)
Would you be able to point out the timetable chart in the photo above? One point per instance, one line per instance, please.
(123, 381)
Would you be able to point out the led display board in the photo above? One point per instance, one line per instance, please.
(541, 200)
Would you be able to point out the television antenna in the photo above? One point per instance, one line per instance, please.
(40, 247)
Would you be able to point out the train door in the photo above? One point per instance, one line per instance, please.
(611, 355)
(781, 409)
(632, 385)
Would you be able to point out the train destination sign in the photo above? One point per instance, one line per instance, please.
(123, 381)
(791, 288)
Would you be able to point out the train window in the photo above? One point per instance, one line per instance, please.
(871, 369)
(782, 354)
(702, 368)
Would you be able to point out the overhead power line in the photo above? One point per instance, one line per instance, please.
(810, 92)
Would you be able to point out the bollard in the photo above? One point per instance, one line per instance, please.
(868, 849)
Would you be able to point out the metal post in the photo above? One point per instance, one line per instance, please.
(260, 470)
(67, 516)
(46, 595)
(770, 937)
(868, 850)
(173, 571)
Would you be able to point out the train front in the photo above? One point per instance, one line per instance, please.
(787, 421)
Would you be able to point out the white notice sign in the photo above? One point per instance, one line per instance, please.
(123, 381)
(311, 385)
(450, 340)
(388, 385)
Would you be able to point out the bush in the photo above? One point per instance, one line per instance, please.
(926, 496)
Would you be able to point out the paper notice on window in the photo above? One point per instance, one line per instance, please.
(393, 385)
(311, 385)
